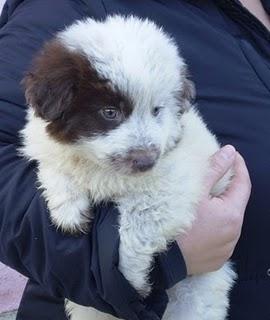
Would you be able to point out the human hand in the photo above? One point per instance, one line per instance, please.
(215, 232)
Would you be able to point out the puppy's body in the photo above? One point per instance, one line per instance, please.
(147, 149)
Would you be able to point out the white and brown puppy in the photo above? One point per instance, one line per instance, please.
(110, 117)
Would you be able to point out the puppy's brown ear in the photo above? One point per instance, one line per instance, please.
(52, 83)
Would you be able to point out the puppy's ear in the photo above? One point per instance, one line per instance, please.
(188, 91)
(52, 83)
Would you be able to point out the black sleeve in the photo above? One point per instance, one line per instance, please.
(76, 268)
(170, 268)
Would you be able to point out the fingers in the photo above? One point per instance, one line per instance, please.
(240, 188)
(220, 163)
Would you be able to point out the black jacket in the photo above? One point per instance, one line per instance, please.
(228, 51)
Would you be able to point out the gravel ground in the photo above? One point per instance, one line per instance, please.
(8, 316)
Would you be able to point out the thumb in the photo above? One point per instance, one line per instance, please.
(220, 163)
(240, 187)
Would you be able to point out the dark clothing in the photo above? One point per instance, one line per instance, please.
(228, 52)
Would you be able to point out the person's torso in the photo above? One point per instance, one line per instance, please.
(230, 65)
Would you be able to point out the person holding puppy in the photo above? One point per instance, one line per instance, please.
(60, 266)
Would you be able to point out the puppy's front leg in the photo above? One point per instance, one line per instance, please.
(68, 204)
(141, 236)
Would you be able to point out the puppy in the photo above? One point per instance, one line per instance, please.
(111, 118)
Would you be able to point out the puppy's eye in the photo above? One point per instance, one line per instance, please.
(156, 111)
(111, 113)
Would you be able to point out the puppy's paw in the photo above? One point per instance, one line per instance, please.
(136, 268)
(73, 216)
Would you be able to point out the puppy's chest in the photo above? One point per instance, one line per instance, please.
(168, 198)
(169, 177)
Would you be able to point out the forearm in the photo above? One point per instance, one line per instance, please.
(29, 243)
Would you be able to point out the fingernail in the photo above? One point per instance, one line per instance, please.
(227, 152)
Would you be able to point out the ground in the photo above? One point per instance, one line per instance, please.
(8, 316)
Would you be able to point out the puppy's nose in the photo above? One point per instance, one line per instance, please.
(143, 160)
(143, 163)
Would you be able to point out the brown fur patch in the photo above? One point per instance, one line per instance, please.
(65, 90)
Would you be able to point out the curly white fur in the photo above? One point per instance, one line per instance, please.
(144, 63)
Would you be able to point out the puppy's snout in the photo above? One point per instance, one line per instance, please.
(143, 160)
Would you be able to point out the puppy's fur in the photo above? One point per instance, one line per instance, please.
(110, 118)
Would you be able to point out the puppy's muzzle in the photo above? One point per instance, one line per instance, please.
(140, 160)
(137, 160)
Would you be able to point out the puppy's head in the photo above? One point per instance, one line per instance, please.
(115, 90)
